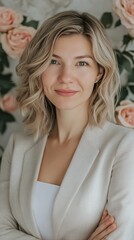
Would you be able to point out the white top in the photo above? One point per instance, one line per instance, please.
(42, 205)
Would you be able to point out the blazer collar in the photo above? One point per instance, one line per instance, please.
(30, 169)
(77, 171)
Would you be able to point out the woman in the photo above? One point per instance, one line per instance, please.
(73, 162)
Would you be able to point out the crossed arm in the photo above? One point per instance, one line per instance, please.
(120, 199)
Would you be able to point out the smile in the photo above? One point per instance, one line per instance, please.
(65, 92)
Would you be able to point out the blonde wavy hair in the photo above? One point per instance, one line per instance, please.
(39, 113)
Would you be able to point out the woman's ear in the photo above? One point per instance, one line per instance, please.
(100, 74)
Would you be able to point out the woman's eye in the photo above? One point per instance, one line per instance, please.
(82, 63)
(53, 61)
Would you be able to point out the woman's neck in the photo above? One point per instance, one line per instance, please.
(70, 124)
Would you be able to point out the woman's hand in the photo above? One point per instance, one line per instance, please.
(106, 226)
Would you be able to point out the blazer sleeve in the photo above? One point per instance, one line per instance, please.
(121, 190)
(8, 224)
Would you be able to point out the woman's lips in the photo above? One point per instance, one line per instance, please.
(66, 92)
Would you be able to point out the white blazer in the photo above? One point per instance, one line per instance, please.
(101, 174)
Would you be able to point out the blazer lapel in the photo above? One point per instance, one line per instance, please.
(79, 167)
(30, 169)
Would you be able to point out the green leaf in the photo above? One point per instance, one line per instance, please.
(123, 62)
(123, 93)
(1, 66)
(127, 39)
(6, 117)
(107, 19)
(6, 84)
(126, 63)
(1, 152)
(129, 56)
(131, 87)
(32, 23)
(5, 61)
(118, 23)
(131, 76)
(131, 51)
(119, 60)
(3, 127)
(3, 57)
(4, 77)
(24, 20)
(1, 50)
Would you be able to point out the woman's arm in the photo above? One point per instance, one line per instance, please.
(8, 225)
(121, 190)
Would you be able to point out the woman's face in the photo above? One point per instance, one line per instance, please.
(70, 77)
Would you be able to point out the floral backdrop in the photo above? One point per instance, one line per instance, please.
(17, 30)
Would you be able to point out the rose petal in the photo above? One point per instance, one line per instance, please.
(125, 10)
(15, 41)
(9, 19)
(8, 103)
(125, 113)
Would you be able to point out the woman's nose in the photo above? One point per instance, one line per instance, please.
(66, 74)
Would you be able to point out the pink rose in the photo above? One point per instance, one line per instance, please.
(125, 113)
(125, 10)
(8, 103)
(15, 40)
(9, 19)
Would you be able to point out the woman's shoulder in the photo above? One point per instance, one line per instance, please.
(116, 129)
(20, 139)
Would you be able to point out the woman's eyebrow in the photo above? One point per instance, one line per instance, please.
(56, 56)
(84, 56)
(77, 57)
